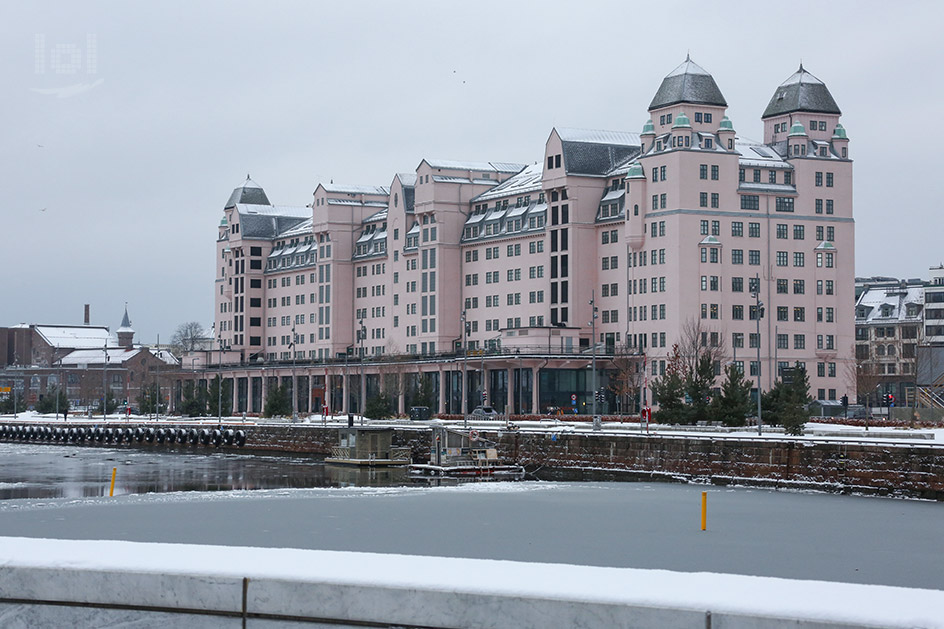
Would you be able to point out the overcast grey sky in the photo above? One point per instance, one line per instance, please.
(115, 175)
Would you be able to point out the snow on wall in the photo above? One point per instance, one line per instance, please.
(439, 591)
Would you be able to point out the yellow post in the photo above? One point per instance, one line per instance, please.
(114, 471)
(704, 510)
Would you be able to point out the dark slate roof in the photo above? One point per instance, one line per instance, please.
(688, 83)
(592, 152)
(268, 221)
(801, 92)
(250, 193)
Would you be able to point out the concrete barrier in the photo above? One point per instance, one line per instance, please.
(55, 583)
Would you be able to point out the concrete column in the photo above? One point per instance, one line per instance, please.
(344, 404)
(535, 393)
(442, 391)
(401, 394)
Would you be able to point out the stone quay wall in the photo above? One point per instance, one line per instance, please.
(913, 470)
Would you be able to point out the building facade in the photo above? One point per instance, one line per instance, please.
(488, 269)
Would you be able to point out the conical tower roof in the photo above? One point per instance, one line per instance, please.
(801, 92)
(688, 83)
(125, 322)
(249, 193)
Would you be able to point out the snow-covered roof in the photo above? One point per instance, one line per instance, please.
(598, 136)
(273, 210)
(596, 152)
(500, 167)
(75, 337)
(801, 92)
(86, 357)
(896, 299)
(407, 179)
(355, 189)
(248, 192)
(528, 180)
(688, 83)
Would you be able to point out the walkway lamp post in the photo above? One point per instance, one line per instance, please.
(593, 345)
(465, 363)
(105, 381)
(294, 392)
(520, 381)
(219, 389)
(362, 334)
(759, 314)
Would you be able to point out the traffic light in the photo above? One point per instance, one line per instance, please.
(845, 401)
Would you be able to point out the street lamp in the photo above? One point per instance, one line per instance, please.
(465, 363)
(593, 345)
(362, 334)
(219, 389)
(104, 382)
(759, 314)
(520, 380)
(291, 346)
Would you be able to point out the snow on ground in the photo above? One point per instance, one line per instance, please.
(866, 605)
(835, 432)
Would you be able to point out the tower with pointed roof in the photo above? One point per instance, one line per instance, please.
(723, 216)
(125, 332)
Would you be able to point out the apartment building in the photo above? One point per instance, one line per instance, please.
(488, 268)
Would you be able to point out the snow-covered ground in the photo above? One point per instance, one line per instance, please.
(473, 592)
(814, 431)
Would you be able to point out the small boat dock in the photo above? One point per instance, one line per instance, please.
(368, 447)
(464, 455)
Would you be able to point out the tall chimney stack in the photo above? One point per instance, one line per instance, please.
(86, 314)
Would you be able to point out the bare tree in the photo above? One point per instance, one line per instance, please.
(863, 375)
(187, 336)
(698, 340)
(626, 380)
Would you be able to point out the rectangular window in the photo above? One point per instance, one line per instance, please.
(784, 204)
(829, 206)
(715, 200)
(798, 258)
(737, 284)
(799, 233)
(782, 286)
(737, 256)
(753, 230)
(753, 257)
(737, 228)
(782, 258)
(819, 179)
(781, 231)
(714, 172)
(750, 202)
(703, 169)
(799, 313)
(829, 180)
(702, 199)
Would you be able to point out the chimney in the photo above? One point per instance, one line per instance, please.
(86, 314)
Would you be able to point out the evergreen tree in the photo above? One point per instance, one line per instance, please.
(110, 403)
(48, 402)
(278, 402)
(698, 389)
(193, 403)
(787, 403)
(148, 400)
(734, 403)
(379, 406)
(214, 397)
(668, 390)
(7, 405)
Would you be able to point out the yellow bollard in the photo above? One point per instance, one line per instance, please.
(704, 510)
(114, 471)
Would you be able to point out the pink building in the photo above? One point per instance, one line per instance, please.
(683, 226)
